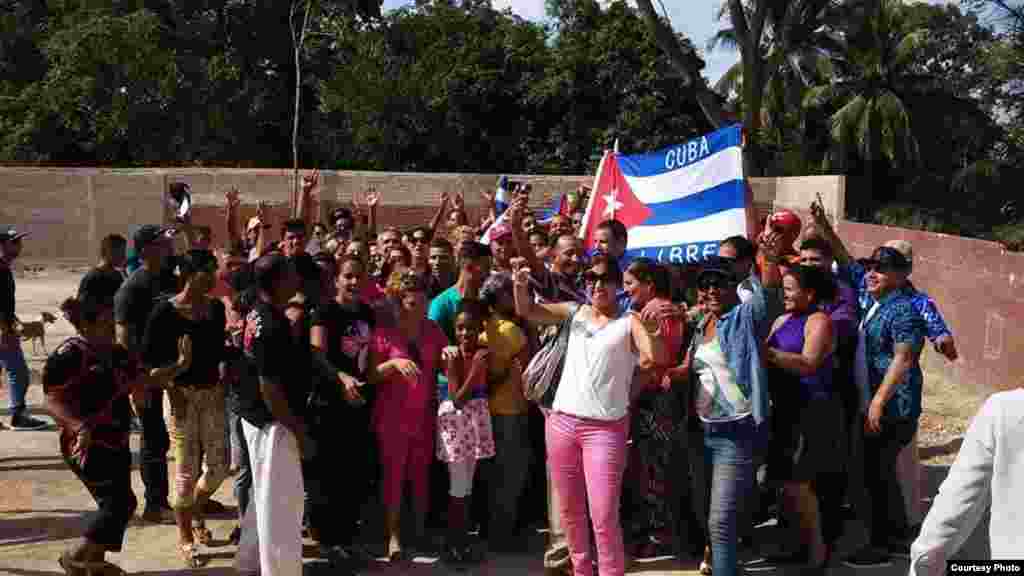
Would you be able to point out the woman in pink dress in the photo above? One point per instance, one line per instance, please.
(406, 359)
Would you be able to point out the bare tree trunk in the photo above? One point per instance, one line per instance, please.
(685, 64)
(298, 41)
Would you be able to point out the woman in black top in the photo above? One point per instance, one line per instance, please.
(340, 337)
(191, 325)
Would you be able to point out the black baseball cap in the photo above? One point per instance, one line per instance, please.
(717, 265)
(148, 234)
(10, 234)
(888, 258)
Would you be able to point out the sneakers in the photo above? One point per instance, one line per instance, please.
(22, 421)
(868, 558)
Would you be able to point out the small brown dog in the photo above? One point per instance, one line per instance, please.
(36, 331)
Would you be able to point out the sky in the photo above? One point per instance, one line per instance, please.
(694, 18)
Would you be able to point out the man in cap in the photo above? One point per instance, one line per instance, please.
(890, 381)
(133, 302)
(12, 359)
(909, 465)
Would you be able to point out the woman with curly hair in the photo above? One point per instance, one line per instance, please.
(404, 361)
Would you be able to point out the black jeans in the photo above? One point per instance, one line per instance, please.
(155, 444)
(107, 476)
(888, 516)
(338, 484)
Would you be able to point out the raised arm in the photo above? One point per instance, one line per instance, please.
(442, 210)
(532, 311)
(310, 183)
(231, 203)
(515, 219)
(821, 222)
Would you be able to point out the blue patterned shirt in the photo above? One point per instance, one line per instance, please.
(895, 322)
(935, 325)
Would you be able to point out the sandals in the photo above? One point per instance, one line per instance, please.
(202, 535)
(190, 556)
(80, 568)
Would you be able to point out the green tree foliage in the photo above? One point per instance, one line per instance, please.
(436, 86)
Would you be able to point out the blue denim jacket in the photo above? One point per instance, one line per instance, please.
(740, 334)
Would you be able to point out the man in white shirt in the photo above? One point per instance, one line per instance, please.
(989, 469)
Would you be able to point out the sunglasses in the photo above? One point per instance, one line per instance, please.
(419, 240)
(880, 267)
(594, 278)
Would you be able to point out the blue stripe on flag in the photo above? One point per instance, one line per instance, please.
(723, 197)
(675, 157)
(685, 253)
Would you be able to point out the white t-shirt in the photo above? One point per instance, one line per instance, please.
(598, 370)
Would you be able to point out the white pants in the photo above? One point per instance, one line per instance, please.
(277, 497)
(908, 472)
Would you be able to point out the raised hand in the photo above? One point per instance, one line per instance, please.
(373, 198)
(310, 181)
(488, 196)
(459, 201)
(231, 197)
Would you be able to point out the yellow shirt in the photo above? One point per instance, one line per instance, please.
(505, 340)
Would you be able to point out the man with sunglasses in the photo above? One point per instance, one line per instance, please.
(419, 248)
(889, 378)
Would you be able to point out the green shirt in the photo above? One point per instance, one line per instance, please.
(443, 310)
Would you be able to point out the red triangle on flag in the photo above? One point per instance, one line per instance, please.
(613, 199)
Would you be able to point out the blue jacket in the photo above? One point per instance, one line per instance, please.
(739, 333)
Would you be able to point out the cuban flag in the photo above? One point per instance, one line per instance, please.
(677, 203)
(560, 206)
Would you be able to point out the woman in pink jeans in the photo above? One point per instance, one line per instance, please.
(588, 421)
(406, 359)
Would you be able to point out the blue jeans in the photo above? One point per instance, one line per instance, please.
(729, 462)
(12, 361)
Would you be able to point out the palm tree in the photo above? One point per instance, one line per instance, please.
(874, 82)
(783, 46)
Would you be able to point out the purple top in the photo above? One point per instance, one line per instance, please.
(790, 338)
(843, 311)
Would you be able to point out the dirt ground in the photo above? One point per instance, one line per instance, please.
(42, 504)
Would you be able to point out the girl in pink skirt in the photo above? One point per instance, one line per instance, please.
(464, 420)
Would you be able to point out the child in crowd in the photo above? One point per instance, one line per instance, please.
(464, 421)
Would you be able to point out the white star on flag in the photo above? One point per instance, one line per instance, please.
(611, 203)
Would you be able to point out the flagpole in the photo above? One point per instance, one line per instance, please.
(615, 150)
(582, 232)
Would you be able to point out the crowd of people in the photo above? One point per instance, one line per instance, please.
(687, 401)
